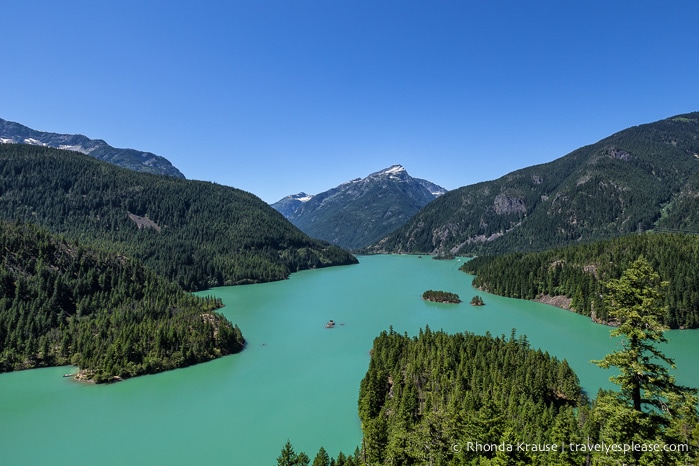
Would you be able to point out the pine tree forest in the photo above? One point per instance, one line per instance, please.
(578, 272)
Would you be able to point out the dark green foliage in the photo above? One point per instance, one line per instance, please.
(197, 234)
(289, 457)
(423, 395)
(64, 303)
(441, 296)
(649, 407)
(577, 272)
(642, 177)
(477, 301)
(322, 458)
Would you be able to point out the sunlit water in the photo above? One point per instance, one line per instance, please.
(295, 380)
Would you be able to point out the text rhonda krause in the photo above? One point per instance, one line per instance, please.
(571, 446)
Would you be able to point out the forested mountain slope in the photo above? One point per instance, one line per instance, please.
(147, 162)
(572, 276)
(644, 177)
(195, 233)
(64, 303)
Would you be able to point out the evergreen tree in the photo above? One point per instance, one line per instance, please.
(650, 408)
(288, 456)
(322, 458)
(636, 302)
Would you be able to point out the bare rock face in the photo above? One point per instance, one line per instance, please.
(505, 204)
(622, 155)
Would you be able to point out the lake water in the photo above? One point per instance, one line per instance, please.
(295, 380)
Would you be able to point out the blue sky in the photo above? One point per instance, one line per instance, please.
(277, 97)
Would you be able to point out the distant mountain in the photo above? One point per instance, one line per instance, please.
(359, 212)
(197, 234)
(290, 204)
(642, 178)
(14, 133)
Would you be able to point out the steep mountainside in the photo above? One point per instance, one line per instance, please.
(644, 177)
(14, 133)
(195, 233)
(359, 212)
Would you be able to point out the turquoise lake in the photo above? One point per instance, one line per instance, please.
(295, 380)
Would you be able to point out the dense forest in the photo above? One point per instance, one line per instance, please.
(62, 302)
(577, 273)
(197, 234)
(423, 395)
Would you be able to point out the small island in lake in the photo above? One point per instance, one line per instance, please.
(477, 301)
(441, 297)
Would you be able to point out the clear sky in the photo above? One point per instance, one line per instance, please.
(277, 97)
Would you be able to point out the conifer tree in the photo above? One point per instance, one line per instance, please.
(322, 458)
(288, 456)
(650, 407)
(636, 302)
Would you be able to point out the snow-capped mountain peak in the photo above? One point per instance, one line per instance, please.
(361, 211)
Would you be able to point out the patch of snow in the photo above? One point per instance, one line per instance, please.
(33, 141)
(394, 169)
(73, 148)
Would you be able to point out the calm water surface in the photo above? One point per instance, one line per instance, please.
(295, 380)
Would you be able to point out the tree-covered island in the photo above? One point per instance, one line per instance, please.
(441, 297)
(477, 301)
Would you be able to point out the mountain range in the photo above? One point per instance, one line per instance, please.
(15, 133)
(642, 178)
(359, 212)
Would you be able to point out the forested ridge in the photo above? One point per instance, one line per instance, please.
(645, 176)
(197, 234)
(578, 272)
(65, 303)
